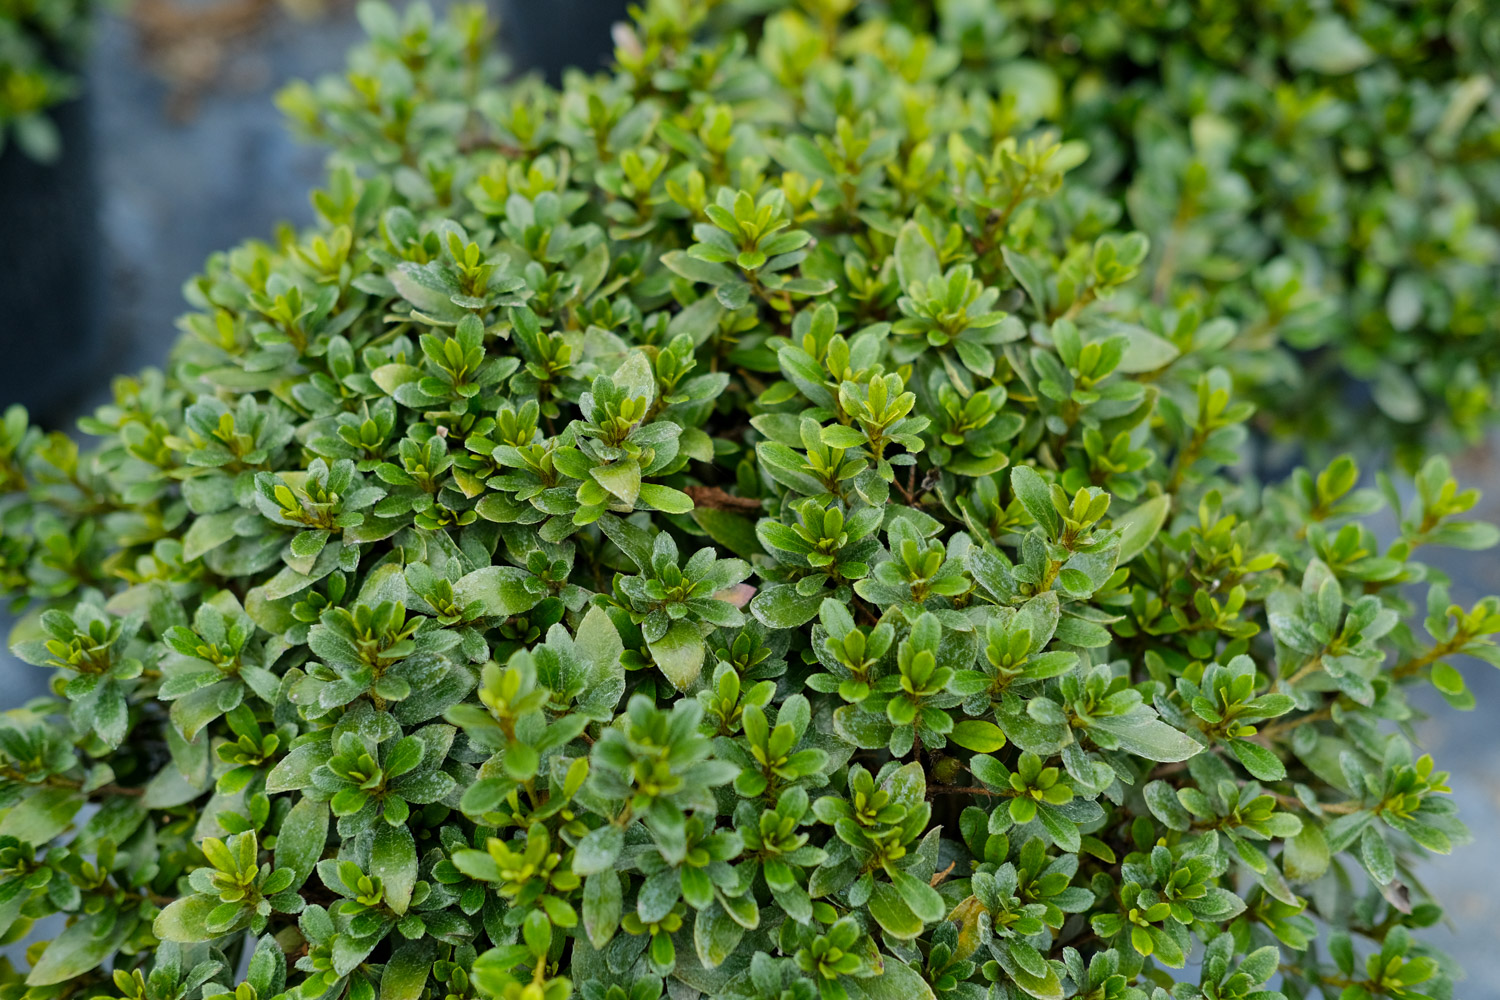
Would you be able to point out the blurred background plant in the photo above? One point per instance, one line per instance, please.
(1328, 173)
(41, 43)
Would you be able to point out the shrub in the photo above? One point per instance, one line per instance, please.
(714, 531)
(1326, 173)
(40, 44)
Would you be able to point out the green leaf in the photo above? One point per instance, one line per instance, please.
(208, 532)
(406, 972)
(861, 728)
(1063, 831)
(622, 478)
(893, 914)
(977, 735)
(42, 815)
(117, 818)
(1046, 987)
(780, 606)
(602, 906)
(393, 859)
(715, 935)
(184, 920)
(1139, 525)
(501, 589)
(87, 943)
(631, 540)
(698, 321)
(1149, 737)
(1029, 276)
(1259, 761)
(303, 834)
(591, 270)
(705, 272)
(1306, 856)
(916, 260)
(635, 376)
(1032, 491)
(924, 901)
(733, 294)
(598, 850)
(897, 981)
(1377, 856)
(1162, 800)
(1397, 395)
(1330, 46)
(392, 377)
(598, 641)
(294, 771)
(907, 785)
(679, 654)
(1144, 350)
(666, 499)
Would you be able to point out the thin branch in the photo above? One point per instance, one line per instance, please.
(58, 781)
(962, 790)
(717, 499)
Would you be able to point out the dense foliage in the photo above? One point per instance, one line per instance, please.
(1328, 173)
(714, 530)
(40, 42)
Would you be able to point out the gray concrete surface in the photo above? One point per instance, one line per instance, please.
(174, 188)
(174, 191)
(1468, 744)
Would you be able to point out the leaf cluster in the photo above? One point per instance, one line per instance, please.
(719, 529)
(40, 44)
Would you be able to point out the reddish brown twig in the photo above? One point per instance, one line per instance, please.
(712, 496)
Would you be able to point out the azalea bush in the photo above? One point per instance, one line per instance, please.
(1327, 173)
(725, 529)
(41, 42)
